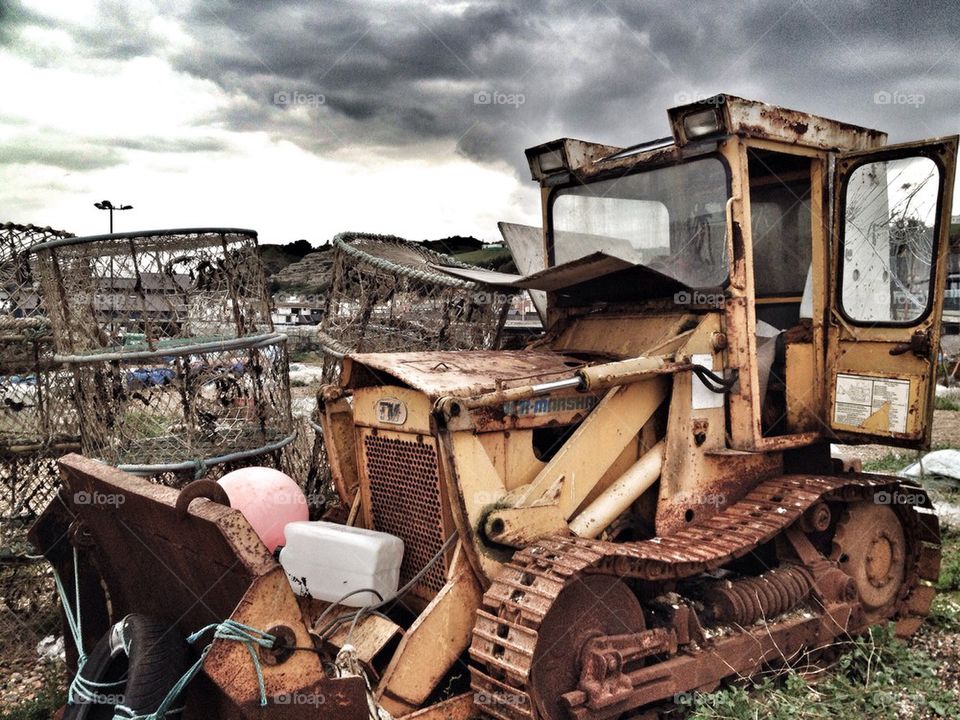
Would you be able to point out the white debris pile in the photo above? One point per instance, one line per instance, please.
(50, 648)
(952, 392)
(305, 374)
(945, 463)
(303, 407)
(941, 464)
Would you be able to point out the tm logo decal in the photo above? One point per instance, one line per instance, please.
(391, 411)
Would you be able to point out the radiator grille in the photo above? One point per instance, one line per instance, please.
(405, 501)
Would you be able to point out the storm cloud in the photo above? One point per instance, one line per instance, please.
(484, 80)
(407, 72)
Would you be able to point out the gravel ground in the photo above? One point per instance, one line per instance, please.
(20, 683)
(944, 648)
(24, 676)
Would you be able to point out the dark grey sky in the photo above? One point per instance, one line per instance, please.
(306, 118)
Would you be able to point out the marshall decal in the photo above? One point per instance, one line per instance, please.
(391, 411)
(547, 405)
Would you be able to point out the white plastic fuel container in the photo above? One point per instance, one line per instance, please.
(328, 561)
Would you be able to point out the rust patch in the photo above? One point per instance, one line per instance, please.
(460, 373)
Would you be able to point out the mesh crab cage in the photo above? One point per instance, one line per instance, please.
(170, 346)
(387, 295)
(37, 425)
(36, 419)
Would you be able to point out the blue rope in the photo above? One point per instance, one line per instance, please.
(227, 630)
(80, 688)
(88, 690)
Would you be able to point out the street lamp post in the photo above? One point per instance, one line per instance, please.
(107, 205)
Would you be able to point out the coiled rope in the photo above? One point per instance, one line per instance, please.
(84, 690)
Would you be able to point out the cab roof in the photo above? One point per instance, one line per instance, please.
(729, 115)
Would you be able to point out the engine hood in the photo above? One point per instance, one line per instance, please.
(458, 373)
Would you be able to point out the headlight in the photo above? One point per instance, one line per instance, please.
(701, 123)
(546, 162)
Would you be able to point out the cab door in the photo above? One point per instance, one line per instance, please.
(891, 222)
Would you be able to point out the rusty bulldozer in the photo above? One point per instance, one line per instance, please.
(641, 503)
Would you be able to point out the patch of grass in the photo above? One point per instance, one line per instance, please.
(947, 403)
(52, 695)
(148, 425)
(307, 356)
(877, 677)
(950, 564)
(945, 612)
(890, 463)
(298, 382)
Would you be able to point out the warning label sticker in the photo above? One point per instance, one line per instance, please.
(882, 401)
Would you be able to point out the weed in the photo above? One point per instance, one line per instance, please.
(950, 563)
(945, 613)
(946, 403)
(876, 677)
(890, 463)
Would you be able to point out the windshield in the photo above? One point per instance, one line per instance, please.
(671, 219)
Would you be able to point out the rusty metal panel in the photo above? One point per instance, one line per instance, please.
(459, 707)
(212, 554)
(431, 646)
(878, 348)
(751, 118)
(456, 372)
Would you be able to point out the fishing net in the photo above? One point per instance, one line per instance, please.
(132, 292)
(35, 414)
(36, 426)
(192, 405)
(170, 346)
(385, 297)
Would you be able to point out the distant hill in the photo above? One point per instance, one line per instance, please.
(453, 245)
(308, 275)
(276, 257)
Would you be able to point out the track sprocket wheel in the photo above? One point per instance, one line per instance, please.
(871, 547)
(590, 606)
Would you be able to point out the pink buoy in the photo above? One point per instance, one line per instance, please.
(268, 499)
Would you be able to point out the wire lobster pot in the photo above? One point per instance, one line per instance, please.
(134, 291)
(168, 339)
(385, 296)
(184, 408)
(37, 425)
(35, 411)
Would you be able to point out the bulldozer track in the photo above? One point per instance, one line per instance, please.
(506, 630)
